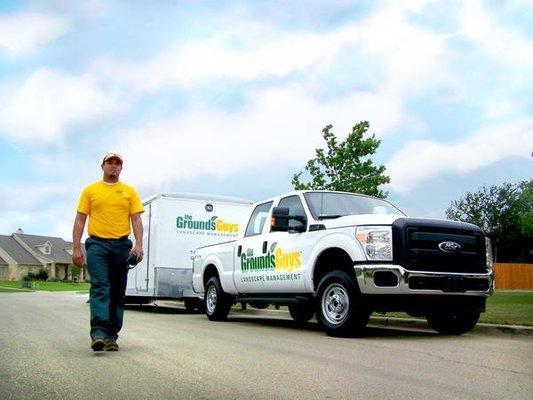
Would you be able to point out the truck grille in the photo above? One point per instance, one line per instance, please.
(416, 246)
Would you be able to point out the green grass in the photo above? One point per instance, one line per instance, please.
(508, 307)
(46, 286)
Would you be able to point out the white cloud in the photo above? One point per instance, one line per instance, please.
(48, 103)
(46, 209)
(419, 161)
(480, 26)
(23, 33)
(200, 61)
(280, 126)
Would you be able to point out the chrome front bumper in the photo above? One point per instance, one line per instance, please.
(365, 274)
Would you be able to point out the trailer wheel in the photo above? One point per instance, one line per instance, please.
(193, 304)
(217, 303)
(453, 324)
(134, 300)
(301, 312)
(340, 309)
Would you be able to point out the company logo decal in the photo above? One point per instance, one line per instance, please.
(212, 226)
(275, 260)
(450, 247)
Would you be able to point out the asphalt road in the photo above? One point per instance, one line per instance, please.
(169, 354)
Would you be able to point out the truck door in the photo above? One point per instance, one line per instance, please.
(250, 261)
(291, 251)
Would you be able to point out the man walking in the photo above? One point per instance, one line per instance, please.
(111, 206)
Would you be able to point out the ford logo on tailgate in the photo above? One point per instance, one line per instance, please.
(450, 247)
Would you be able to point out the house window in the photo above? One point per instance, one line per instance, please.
(2, 272)
(46, 249)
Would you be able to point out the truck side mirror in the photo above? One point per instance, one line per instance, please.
(281, 218)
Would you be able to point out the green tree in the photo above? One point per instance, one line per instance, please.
(345, 166)
(505, 214)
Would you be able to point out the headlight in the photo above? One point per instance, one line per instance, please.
(488, 252)
(376, 240)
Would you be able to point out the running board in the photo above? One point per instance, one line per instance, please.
(281, 300)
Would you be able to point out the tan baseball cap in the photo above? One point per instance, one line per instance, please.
(109, 156)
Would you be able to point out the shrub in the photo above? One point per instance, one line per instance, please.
(75, 273)
(31, 277)
(42, 275)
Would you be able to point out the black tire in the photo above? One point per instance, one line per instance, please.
(340, 309)
(301, 312)
(217, 303)
(453, 323)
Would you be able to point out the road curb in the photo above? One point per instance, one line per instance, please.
(422, 324)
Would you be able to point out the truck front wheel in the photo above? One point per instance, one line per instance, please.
(217, 303)
(301, 312)
(453, 323)
(340, 310)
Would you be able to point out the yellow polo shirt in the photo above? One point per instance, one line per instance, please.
(109, 207)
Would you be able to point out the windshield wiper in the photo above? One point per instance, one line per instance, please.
(329, 216)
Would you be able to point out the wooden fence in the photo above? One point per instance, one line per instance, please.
(513, 276)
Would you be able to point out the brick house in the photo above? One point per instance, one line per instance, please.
(23, 253)
(16, 261)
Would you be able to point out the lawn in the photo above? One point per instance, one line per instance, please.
(46, 286)
(508, 307)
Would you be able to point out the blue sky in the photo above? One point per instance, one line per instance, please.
(230, 97)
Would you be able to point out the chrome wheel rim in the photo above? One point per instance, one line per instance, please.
(211, 299)
(335, 304)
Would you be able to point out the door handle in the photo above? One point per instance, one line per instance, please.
(239, 251)
(265, 244)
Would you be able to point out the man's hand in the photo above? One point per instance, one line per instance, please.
(137, 226)
(77, 231)
(139, 251)
(77, 257)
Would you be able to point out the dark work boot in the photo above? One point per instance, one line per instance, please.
(111, 345)
(98, 344)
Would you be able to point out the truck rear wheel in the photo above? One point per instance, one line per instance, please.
(301, 312)
(453, 323)
(340, 310)
(217, 303)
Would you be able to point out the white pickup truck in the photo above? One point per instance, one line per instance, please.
(343, 256)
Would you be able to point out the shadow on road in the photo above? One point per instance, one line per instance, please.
(248, 317)
(312, 326)
(152, 308)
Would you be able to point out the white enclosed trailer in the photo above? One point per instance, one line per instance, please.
(174, 226)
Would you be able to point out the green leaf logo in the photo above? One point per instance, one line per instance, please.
(214, 218)
(273, 246)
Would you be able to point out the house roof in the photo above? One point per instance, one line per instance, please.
(3, 262)
(17, 252)
(59, 246)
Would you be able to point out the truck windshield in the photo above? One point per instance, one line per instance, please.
(325, 205)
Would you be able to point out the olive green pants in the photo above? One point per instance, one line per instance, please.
(108, 268)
